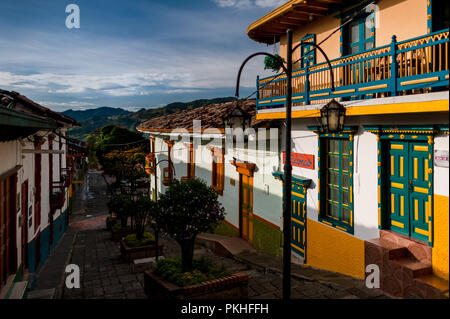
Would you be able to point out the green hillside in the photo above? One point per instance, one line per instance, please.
(93, 119)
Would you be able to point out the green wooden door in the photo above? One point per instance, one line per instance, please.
(298, 219)
(410, 196)
(420, 189)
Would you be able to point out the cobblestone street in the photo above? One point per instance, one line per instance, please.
(104, 275)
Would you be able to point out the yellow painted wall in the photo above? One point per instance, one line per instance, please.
(392, 19)
(334, 250)
(440, 251)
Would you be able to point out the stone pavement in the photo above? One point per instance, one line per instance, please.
(104, 275)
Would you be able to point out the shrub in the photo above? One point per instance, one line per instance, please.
(121, 205)
(132, 240)
(202, 270)
(187, 209)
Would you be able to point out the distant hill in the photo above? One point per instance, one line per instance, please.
(93, 119)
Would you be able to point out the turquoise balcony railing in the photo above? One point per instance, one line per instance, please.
(418, 65)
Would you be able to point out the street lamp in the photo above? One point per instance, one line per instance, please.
(332, 116)
(287, 165)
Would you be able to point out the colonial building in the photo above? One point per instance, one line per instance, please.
(377, 192)
(35, 176)
(239, 168)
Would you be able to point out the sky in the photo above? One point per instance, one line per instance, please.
(129, 53)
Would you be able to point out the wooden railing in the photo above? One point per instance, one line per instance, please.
(407, 67)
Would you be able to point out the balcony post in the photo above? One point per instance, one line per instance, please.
(307, 101)
(394, 66)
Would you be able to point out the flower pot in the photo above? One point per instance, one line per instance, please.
(231, 287)
(118, 234)
(131, 253)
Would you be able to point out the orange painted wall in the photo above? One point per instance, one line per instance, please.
(405, 18)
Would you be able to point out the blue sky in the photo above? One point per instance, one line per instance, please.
(128, 53)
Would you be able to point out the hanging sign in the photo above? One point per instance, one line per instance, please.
(301, 160)
(441, 158)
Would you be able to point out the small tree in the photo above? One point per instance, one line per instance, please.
(144, 209)
(121, 205)
(187, 209)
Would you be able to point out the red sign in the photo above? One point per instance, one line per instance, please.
(301, 160)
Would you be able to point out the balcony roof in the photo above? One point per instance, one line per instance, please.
(290, 15)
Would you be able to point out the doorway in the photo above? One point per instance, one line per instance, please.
(409, 188)
(246, 207)
(24, 226)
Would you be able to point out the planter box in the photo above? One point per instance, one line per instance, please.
(131, 253)
(118, 234)
(232, 287)
(110, 223)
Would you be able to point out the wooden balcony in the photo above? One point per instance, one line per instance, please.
(415, 66)
(57, 195)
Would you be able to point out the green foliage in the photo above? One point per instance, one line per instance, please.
(132, 240)
(202, 270)
(144, 210)
(189, 208)
(274, 64)
(118, 226)
(121, 206)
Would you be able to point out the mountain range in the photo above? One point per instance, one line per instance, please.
(93, 119)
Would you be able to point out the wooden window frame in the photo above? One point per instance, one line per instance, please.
(168, 171)
(190, 163)
(324, 216)
(218, 169)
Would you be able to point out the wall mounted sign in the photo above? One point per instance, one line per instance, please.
(441, 158)
(301, 160)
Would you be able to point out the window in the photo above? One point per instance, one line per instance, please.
(190, 163)
(336, 174)
(218, 166)
(308, 51)
(168, 171)
(359, 35)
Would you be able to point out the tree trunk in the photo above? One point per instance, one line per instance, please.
(187, 253)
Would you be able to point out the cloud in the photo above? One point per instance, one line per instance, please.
(72, 104)
(245, 4)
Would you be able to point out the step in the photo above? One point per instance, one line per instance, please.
(224, 245)
(19, 290)
(417, 268)
(434, 281)
(394, 250)
(417, 248)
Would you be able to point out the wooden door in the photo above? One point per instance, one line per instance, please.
(24, 225)
(410, 200)
(246, 207)
(298, 219)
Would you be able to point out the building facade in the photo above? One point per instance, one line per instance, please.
(377, 192)
(35, 176)
(239, 170)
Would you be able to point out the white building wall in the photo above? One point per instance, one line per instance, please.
(441, 174)
(265, 205)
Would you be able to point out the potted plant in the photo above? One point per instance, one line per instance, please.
(140, 244)
(188, 209)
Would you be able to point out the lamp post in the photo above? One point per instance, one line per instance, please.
(329, 110)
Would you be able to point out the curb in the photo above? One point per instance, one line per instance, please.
(60, 289)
